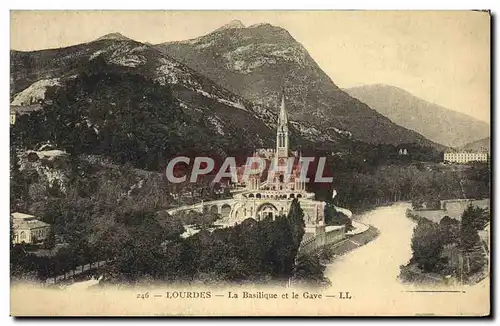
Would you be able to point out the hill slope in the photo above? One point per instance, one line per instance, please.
(435, 122)
(479, 145)
(259, 61)
(218, 113)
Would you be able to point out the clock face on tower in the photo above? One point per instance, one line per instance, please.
(281, 161)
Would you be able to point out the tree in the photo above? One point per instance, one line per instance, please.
(19, 185)
(473, 220)
(11, 232)
(172, 225)
(449, 230)
(296, 221)
(475, 217)
(309, 270)
(432, 202)
(427, 246)
(334, 217)
(50, 240)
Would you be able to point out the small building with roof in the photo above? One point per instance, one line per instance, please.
(28, 229)
(18, 110)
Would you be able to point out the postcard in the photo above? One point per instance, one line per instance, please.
(250, 163)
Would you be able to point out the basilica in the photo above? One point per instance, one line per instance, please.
(270, 193)
(284, 166)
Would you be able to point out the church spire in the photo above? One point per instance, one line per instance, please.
(283, 118)
(282, 132)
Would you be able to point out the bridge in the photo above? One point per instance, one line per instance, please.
(257, 205)
(260, 204)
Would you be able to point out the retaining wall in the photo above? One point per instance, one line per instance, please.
(331, 235)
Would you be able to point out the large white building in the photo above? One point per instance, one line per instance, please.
(465, 157)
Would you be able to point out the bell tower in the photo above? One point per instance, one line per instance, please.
(282, 132)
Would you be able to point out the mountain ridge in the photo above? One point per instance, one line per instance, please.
(437, 123)
(213, 108)
(258, 61)
(479, 145)
(232, 24)
(114, 36)
(228, 114)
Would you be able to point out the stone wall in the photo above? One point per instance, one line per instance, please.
(331, 235)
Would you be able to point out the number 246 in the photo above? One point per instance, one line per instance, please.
(143, 295)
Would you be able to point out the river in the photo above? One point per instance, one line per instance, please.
(370, 273)
(378, 261)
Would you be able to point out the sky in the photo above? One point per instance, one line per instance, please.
(440, 56)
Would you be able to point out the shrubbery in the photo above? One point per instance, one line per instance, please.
(334, 217)
(450, 247)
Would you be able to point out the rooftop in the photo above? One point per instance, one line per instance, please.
(17, 215)
(485, 151)
(29, 224)
(26, 221)
(25, 108)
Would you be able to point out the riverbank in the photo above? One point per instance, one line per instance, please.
(353, 242)
(360, 235)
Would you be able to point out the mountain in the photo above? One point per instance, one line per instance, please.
(479, 145)
(217, 119)
(435, 122)
(261, 61)
(114, 36)
(232, 24)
